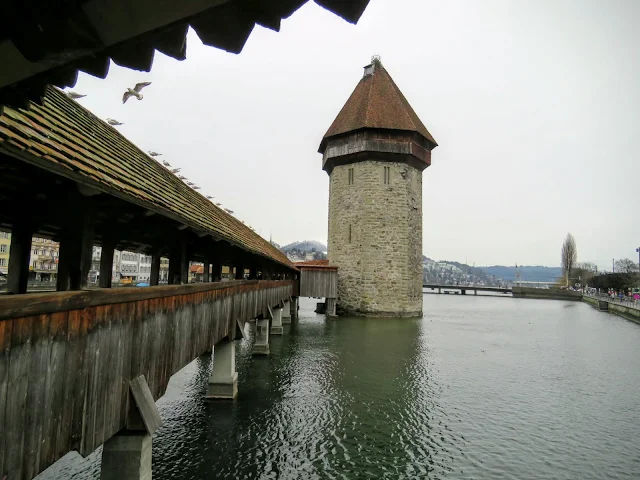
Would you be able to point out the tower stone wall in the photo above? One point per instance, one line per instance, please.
(375, 152)
(375, 238)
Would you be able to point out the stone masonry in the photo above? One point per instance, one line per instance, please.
(375, 238)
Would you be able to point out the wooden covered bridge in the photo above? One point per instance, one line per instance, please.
(80, 368)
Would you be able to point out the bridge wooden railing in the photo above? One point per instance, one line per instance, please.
(66, 358)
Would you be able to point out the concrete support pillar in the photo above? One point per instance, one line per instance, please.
(106, 262)
(330, 307)
(261, 345)
(286, 312)
(223, 382)
(19, 255)
(294, 307)
(276, 321)
(127, 456)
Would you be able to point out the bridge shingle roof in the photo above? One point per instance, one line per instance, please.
(63, 137)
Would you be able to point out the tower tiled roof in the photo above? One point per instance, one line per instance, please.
(377, 102)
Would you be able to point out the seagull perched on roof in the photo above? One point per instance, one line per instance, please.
(191, 184)
(74, 95)
(176, 170)
(228, 211)
(209, 197)
(154, 154)
(218, 204)
(135, 91)
(114, 122)
(195, 187)
(165, 163)
(182, 177)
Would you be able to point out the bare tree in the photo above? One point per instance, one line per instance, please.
(626, 266)
(569, 255)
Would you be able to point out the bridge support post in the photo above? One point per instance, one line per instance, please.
(106, 262)
(463, 291)
(439, 290)
(294, 307)
(205, 272)
(475, 292)
(330, 307)
(286, 312)
(261, 345)
(223, 382)
(276, 321)
(19, 256)
(127, 456)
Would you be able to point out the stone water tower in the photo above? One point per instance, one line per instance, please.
(375, 152)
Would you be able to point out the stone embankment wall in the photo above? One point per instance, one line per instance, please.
(629, 313)
(546, 293)
(375, 238)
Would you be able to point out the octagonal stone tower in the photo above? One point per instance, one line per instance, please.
(375, 152)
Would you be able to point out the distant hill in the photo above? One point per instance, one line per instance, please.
(305, 246)
(528, 273)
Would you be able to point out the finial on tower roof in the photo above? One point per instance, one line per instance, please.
(376, 59)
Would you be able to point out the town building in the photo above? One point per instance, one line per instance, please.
(375, 152)
(5, 246)
(43, 264)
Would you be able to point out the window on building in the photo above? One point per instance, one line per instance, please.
(3, 262)
(350, 173)
(35, 264)
(387, 175)
(3, 249)
(4, 234)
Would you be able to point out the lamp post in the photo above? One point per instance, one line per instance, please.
(638, 250)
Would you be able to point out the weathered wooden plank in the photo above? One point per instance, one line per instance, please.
(93, 379)
(145, 404)
(5, 351)
(71, 372)
(106, 392)
(58, 327)
(78, 332)
(38, 401)
(127, 313)
(17, 306)
(15, 415)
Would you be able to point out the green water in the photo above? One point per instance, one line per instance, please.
(481, 387)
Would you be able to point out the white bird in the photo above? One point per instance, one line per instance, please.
(209, 197)
(228, 211)
(218, 204)
(74, 95)
(176, 170)
(191, 184)
(182, 177)
(165, 163)
(135, 91)
(114, 122)
(195, 187)
(154, 154)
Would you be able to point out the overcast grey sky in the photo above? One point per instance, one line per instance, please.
(535, 106)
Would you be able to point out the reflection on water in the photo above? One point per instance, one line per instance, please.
(478, 388)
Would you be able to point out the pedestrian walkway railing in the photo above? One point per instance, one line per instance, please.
(624, 302)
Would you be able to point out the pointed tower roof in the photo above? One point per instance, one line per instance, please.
(376, 103)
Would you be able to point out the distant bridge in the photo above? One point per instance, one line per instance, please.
(464, 289)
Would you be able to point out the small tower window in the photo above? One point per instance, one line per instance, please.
(387, 175)
(349, 233)
(350, 175)
(368, 70)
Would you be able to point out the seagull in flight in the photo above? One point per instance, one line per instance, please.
(135, 91)
(114, 122)
(74, 95)
(154, 154)
(165, 163)
(176, 170)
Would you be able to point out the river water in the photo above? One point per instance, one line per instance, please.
(480, 387)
